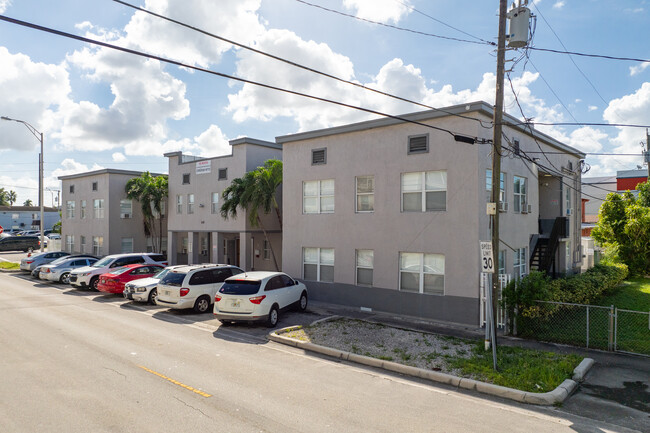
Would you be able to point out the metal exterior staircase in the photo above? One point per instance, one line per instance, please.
(542, 255)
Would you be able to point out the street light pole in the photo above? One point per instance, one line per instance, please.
(39, 136)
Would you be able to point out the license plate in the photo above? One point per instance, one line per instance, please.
(235, 303)
(167, 292)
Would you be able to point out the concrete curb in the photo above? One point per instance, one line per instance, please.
(558, 395)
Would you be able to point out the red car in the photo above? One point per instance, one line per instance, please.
(114, 281)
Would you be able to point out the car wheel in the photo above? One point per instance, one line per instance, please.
(94, 282)
(302, 302)
(202, 304)
(65, 278)
(272, 320)
(153, 295)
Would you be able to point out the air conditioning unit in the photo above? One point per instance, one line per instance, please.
(126, 215)
(529, 208)
(503, 206)
(569, 212)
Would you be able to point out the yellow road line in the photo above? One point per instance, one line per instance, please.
(175, 382)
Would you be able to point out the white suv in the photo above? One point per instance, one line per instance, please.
(193, 286)
(88, 276)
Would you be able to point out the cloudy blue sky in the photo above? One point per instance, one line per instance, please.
(100, 108)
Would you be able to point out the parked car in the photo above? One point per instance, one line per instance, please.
(193, 286)
(29, 263)
(60, 272)
(146, 289)
(258, 296)
(37, 270)
(20, 243)
(54, 236)
(114, 281)
(89, 276)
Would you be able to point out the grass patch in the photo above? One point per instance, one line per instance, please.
(524, 369)
(633, 294)
(9, 265)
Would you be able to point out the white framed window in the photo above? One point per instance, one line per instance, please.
(318, 196)
(519, 267)
(98, 246)
(502, 262)
(215, 203)
(179, 204)
(424, 191)
(127, 245)
(266, 250)
(82, 244)
(365, 194)
(318, 264)
(82, 210)
(15, 216)
(190, 203)
(502, 181)
(365, 265)
(126, 210)
(569, 258)
(519, 193)
(69, 243)
(98, 208)
(422, 273)
(69, 209)
(567, 199)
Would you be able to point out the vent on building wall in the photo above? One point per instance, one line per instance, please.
(223, 174)
(186, 178)
(318, 156)
(418, 144)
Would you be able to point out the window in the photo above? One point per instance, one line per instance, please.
(69, 243)
(567, 199)
(82, 246)
(98, 244)
(98, 208)
(15, 216)
(71, 189)
(519, 193)
(186, 179)
(365, 193)
(365, 263)
(502, 179)
(162, 212)
(69, 209)
(318, 196)
(520, 262)
(418, 144)
(179, 204)
(318, 264)
(318, 156)
(94, 186)
(190, 203)
(126, 210)
(204, 246)
(266, 250)
(127, 245)
(215, 202)
(502, 262)
(502, 191)
(82, 205)
(422, 273)
(516, 147)
(569, 265)
(424, 191)
(223, 174)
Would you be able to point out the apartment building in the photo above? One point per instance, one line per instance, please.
(387, 215)
(27, 217)
(197, 231)
(98, 218)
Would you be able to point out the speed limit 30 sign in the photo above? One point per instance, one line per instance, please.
(487, 258)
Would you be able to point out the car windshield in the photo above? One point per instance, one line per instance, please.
(160, 273)
(119, 271)
(60, 260)
(240, 287)
(173, 278)
(103, 262)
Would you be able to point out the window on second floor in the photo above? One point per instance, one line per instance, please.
(424, 191)
(82, 205)
(215, 203)
(190, 203)
(179, 204)
(69, 209)
(318, 196)
(98, 208)
(519, 194)
(126, 209)
(365, 193)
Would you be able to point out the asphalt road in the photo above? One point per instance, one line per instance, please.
(79, 361)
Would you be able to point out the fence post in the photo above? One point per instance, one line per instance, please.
(610, 342)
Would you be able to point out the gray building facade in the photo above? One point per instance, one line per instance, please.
(97, 217)
(197, 231)
(388, 215)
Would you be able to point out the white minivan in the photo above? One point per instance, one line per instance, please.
(193, 286)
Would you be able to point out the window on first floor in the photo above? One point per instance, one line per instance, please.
(98, 246)
(502, 262)
(422, 273)
(69, 243)
(266, 250)
(318, 264)
(365, 266)
(127, 245)
(424, 191)
(520, 263)
(82, 244)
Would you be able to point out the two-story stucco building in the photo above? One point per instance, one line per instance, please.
(388, 215)
(98, 218)
(197, 231)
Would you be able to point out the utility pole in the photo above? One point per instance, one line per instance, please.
(496, 159)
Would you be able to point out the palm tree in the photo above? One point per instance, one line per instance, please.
(28, 202)
(150, 191)
(11, 197)
(254, 191)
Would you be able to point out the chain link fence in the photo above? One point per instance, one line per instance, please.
(591, 326)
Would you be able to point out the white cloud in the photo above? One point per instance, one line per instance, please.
(635, 70)
(558, 5)
(4, 4)
(211, 142)
(587, 139)
(119, 157)
(592, 108)
(70, 166)
(379, 10)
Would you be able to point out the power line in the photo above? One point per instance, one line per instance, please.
(289, 62)
(617, 125)
(458, 137)
(598, 56)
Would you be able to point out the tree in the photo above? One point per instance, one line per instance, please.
(151, 192)
(28, 202)
(12, 197)
(3, 197)
(623, 228)
(253, 192)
